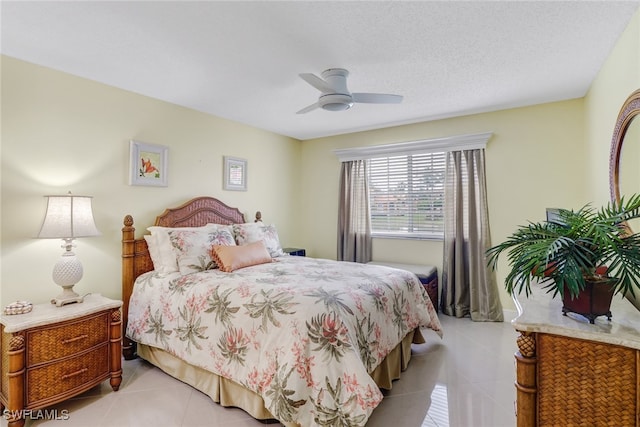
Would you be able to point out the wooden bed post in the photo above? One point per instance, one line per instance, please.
(128, 253)
(136, 259)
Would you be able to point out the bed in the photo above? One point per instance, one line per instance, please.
(301, 340)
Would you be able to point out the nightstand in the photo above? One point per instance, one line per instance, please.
(54, 353)
(295, 251)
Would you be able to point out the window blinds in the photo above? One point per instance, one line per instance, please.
(407, 194)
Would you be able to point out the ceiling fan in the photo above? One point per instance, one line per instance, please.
(336, 97)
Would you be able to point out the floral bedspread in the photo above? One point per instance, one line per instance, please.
(303, 333)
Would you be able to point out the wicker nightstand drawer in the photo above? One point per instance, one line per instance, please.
(54, 353)
(67, 339)
(50, 382)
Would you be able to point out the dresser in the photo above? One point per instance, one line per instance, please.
(54, 353)
(573, 373)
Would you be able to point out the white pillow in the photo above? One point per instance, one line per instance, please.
(154, 253)
(193, 248)
(166, 260)
(255, 231)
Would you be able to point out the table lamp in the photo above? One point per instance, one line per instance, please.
(67, 218)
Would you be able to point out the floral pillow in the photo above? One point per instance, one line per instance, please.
(193, 247)
(256, 231)
(162, 254)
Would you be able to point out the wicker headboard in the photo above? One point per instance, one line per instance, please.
(135, 254)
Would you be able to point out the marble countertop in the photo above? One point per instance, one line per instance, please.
(540, 313)
(44, 314)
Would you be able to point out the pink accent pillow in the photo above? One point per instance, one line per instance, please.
(231, 258)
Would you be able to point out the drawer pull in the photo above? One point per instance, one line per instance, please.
(78, 338)
(73, 374)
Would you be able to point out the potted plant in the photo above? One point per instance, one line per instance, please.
(582, 255)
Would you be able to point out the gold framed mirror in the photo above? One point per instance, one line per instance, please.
(624, 160)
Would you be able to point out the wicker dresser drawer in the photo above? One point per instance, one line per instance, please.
(66, 339)
(570, 372)
(48, 382)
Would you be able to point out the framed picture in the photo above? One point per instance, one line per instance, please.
(148, 164)
(235, 174)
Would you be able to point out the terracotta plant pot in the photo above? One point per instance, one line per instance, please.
(593, 301)
(548, 271)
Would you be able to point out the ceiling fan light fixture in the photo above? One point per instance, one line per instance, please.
(335, 102)
(334, 95)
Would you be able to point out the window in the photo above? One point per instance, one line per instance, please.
(406, 183)
(406, 195)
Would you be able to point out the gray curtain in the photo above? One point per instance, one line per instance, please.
(469, 288)
(354, 219)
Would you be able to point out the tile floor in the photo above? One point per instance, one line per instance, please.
(464, 380)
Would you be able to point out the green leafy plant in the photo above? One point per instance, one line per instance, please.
(587, 244)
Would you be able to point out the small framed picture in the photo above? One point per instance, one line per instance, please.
(148, 164)
(235, 174)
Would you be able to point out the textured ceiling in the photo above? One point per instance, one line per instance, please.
(241, 60)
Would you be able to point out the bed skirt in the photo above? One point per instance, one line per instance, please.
(228, 393)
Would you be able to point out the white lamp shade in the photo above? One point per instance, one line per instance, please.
(68, 216)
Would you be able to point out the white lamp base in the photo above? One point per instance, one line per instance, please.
(66, 273)
(68, 296)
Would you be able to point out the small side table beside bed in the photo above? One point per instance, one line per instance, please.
(54, 353)
(295, 251)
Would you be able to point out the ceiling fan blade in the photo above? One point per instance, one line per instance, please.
(376, 98)
(309, 108)
(316, 82)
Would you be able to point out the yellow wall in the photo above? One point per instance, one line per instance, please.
(61, 133)
(550, 155)
(534, 160)
(616, 80)
(618, 77)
